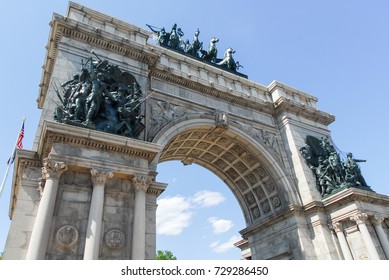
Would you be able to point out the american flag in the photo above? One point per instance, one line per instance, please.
(19, 143)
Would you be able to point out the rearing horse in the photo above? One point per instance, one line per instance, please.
(196, 45)
(228, 61)
(211, 54)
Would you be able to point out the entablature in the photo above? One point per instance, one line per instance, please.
(68, 134)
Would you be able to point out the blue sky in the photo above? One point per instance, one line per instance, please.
(335, 50)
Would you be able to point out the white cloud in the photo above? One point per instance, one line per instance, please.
(218, 247)
(220, 225)
(208, 198)
(173, 215)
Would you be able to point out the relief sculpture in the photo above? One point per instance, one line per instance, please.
(268, 139)
(163, 113)
(102, 97)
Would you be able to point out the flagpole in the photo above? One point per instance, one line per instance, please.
(10, 161)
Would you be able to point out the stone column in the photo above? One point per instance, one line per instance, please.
(360, 220)
(51, 172)
(342, 241)
(95, 220)
(377, 223)
(141, 183)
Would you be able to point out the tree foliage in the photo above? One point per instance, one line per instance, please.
(165, 255)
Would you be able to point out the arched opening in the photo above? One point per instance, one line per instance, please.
(257, 181)
(198, 217)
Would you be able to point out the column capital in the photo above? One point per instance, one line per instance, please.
(53, 169)
(377, 220)
(141, 182)
(100, 176)
(336, 226)
(359, 218)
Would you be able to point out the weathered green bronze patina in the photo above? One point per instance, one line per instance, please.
(173, 40)
(103, 97)
(332, 174)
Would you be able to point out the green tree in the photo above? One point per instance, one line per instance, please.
(165, 255)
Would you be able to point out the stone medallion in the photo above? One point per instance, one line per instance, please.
(114, 239)
(66, 236)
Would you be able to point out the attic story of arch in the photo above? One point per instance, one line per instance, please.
(104, 97)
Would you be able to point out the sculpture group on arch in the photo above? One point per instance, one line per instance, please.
(332, 174)
(174, 40)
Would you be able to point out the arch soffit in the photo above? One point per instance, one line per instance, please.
(249, 170)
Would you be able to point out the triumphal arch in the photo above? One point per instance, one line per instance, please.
(115, 103)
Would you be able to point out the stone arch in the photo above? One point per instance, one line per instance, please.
(259, 183)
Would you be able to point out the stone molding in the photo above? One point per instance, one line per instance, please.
(294, 210)
(154, 191)
(351, 195)
(156, 188)
(283, 104)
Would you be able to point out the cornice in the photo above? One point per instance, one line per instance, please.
(291, 90)
(97, 140)
(283, 104)
(156, 188)
(354, 194)
(314, 206)
(293, 210)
